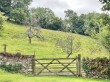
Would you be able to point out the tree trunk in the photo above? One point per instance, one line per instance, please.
(29, 40)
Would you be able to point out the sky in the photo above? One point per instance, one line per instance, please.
(59, 6)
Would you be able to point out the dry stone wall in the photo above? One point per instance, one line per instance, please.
(24, 60)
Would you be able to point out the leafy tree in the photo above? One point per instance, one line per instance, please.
(74, 22)
(104, 37)
(104, 31)
(18, 15)
(71, 18)
(19, 12)
(104, 34)
(106, 4)
(47, 19)
(104, 19)
(55, 24)
(44, 15)
(5, 6)
(92, 24)
(25, 2)
(80, 24)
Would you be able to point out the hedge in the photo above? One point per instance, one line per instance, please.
(97, 68)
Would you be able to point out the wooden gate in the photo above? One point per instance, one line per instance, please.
(58, 66)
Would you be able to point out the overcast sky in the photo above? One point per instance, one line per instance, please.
(59, 6)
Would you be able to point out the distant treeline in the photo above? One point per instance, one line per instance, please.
(87, 24)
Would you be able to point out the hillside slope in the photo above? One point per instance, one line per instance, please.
(16, 39)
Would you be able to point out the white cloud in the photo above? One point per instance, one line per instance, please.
(79, 6)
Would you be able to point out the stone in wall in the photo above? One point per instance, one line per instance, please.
(24, 60)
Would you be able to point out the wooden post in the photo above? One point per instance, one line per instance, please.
(33, 64)
(78, 65)
(5, 47)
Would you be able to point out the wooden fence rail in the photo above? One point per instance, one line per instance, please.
(57, 66)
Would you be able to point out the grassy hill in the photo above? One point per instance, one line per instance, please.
(15, 37)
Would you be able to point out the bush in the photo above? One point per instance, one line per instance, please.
(97, 68)
(11, 68)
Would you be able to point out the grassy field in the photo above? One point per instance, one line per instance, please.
(7, 77)
(16, 39)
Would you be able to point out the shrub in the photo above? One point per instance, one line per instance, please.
(11, 67)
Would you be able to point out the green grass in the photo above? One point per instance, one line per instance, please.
(16, 39)
(8, 77)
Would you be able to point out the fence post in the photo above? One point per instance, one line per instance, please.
(78, 64)
(5, 47)
(33, 64)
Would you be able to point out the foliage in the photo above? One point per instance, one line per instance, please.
(16, 10)
(104, 37)
(25, 2)
(18, 16)
(19, 12)
(106, 4)
(90, 24)
(55, 24)
(71, 18)
(97, 68)
(47, 19)
(5, 6)
(86, 24)
(10, 67)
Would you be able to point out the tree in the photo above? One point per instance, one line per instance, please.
(55, 24)
(79, 27)
(68, 44)
(44, 15)
(25, 2)
(16, 10)
(34, 28)
(5, 6)
(18, 16)
(106, 4)
(92, 24)
(104, 34)
(71, 18)
(74, 22)
(19, 12)
(47, 19)
(104, 37)
(104, 31)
